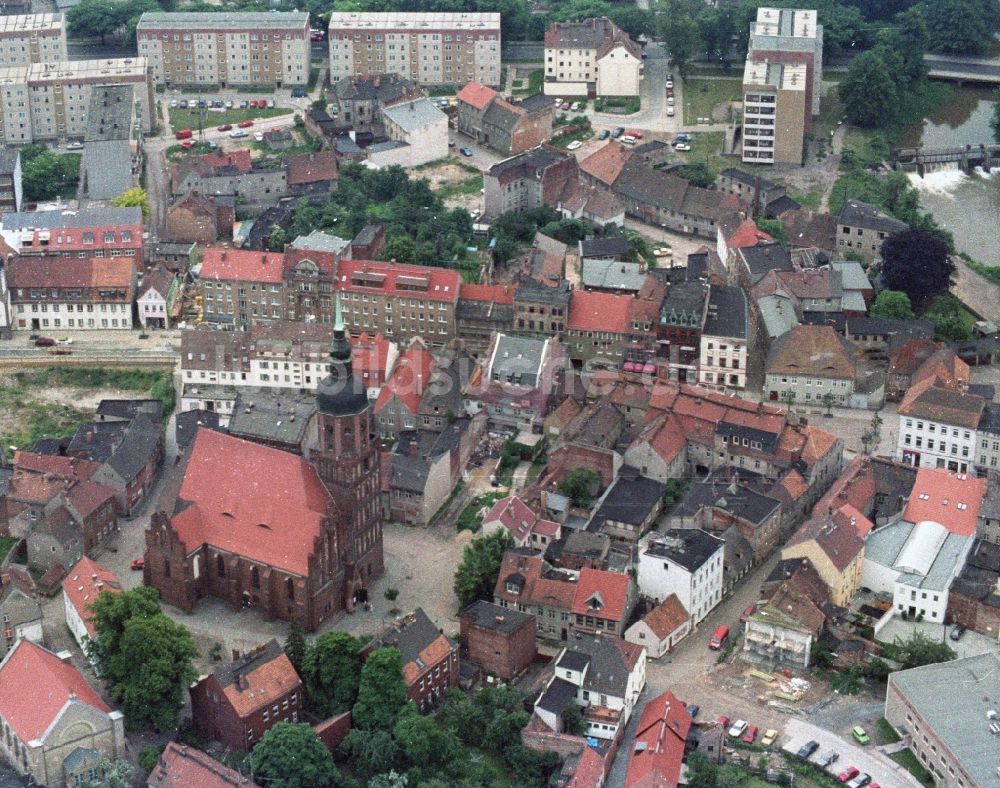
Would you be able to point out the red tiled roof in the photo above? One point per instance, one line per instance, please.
(834, 534)
(251, 500)
(498, 294)
(747, 235)
(519, 519)
(370, 357)
(861, 524)
(589, 772)
(110, 272)
(855, 485)
(240, 159)
(398, 279)
(65, 467)
(951, 499)
(409, 378)
(910, 356)
(590, 311)
(926, 400)
(666, 617)
(817, 445)
(663, 729)
(86, 497)
(266, 681)
(946, 368)
(35, 687)
(665, 437)
(610, 587)
(240, 265)
(817, 351)
(477, 95)
(606, 164)
(84, 584)
(311, 167)
(181, 766)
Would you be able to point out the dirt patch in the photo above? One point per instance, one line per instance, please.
(460, 186)
(445, 173)
(83, 398)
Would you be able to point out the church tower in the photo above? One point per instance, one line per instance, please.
(346, 457)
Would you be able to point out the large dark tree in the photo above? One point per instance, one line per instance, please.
(869, 92)
(961, 27)
(331, 670)
(477, 574)
(917, 262)
(292, 756)
(381, 692)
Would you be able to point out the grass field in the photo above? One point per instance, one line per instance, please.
(908, 761)
(188, 119)
(531, 86)
(6, 542)
(701, 96)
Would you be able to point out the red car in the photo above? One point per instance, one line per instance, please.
(138, 564)
(848, 774)
(225, 127)
(747, 613)
(245, 124)
(750, 735)
(634, 133)
(723, 721)
(187, 144)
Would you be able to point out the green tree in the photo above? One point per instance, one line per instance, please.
(426, 744)
(680, 33)
(149, 757)
(580, 485)
(869, 92)
(95, 18)
(331, 672)
(276, 239)
(295, 646)
(504, 730)
(477, 575)
(370, 752)
(45, 174)
(961, 27)
(381, 692)
(892, 304)
(775, 228)
(111, 613)
(463, 717)
(676, 488)
(919, 649)
(573, 721)
(133, 198)
(399, 248)
(290, 755)
(696, 174)
(918, 263)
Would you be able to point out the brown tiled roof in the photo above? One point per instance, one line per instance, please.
(257, 679)
(311, 167)
(181, 766)
(95, 272)
(666, 617)
(946, 406)
(818, 351)
(911, 355)
(834, 535)
(606, 164)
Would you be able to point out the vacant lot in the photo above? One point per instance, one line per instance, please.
(457, 183)
(188, 119)
(710, 98)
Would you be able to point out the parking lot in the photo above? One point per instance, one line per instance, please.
(884, 771)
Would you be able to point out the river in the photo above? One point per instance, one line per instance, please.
(967, 206)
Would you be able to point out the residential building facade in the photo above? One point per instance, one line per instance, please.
(591, 57)
(861, 229)
(723, 360)
(91, 232)
(265, 49)
(429, 48)
(685, 562)
(32, 38)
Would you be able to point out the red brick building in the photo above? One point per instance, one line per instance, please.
(181, 766)
(501, 641)
(91, 232)
(240, 702)
(430, 660)
(201, 218)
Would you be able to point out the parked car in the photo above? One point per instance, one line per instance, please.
(187, 144)
(719, 637)
(860, 735)
(298, 93)
(682, 146)
(184, 134)
(218, 104)
(564, 106)
(44, 342)
(229, 104)
(670, 83)
(807, 749)
(259, 136)
(244, 104)
(467, 152)
(827, 759)
(747, 613)
(634, 133)
(627, 139)
(750, 735)
(183, 104)
(225, 127)
(849, 774)
(670, 101)
(237, 133)
(245, 124)
(270, 103)
(252, 103)
(74, 145)
(693, 710)
(604, 134)
(202, 103)
(137, 564)
(574, 107)
(738, 728)
(860, 781)
(173, 104)
(670, 112)
(618, 132)
(722, 721)
(769, 737)
(574, 145)
(956, 631)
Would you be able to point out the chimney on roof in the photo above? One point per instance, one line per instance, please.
(236, 655)
(414, 450)
(90, 437)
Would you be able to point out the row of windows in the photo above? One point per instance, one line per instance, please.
(931, 427)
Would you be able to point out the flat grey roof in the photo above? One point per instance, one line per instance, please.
(224, 20)
(413, 115)
(88, 217)
(518, 360)
(957, 714)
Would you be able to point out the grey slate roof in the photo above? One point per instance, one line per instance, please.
(410, 636)
(684, 304)
(280, 415)
(611, 246)
(612, 275)
(87, 217)
(187, 424)
(533, 291)
(375, 87)
(138, 446)
(130, 408)
(501, 116)
(990, 420)
(557, 696)
(517, 360)
(413, 115)
(109, 113)
(536, 158)
(738, 175)
(765, 257)
(629, 500)
(318, 241)
(888, 327)
(727, 313)
(499, 619)
(688, 547)
(607, 672)
(734, 498)
(958, 717)
(859, 214)
(410, 474)
(537, 103)
(573, 660)
(778, 315)
(8, 160)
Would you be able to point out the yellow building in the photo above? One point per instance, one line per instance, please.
(834, 543)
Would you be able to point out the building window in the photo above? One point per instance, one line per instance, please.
(255, 577)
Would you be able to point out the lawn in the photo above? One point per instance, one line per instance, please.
(6, 542)
(706, 149)
(884, 732)
(810, 199)
(701, 96)
(531, 86)
(188, 119)
(469, 519)
(908, 761)
(470, 185)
